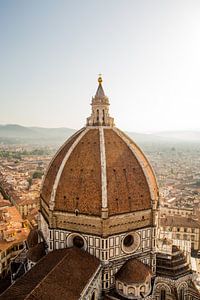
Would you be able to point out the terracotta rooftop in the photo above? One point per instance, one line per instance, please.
(61, 274)
(99, 171)
(127, 187)
(32, 239)
(82, 173)
(173, 266)
(12, 225)
(4, 203)
(37, 252)
(75, 175)
(54, 167)
(179, 222)
(133, 271)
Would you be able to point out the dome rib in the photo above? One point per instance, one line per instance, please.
(103, 171)
(100, 172)
(143, 161)
(127, 187)
(79, 187)
(60, 170)
(54, 166)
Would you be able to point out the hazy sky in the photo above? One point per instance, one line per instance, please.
(148, 52)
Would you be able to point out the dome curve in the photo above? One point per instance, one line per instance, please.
(81, 178)
(133, 271)
(99, 171)
(53, 168)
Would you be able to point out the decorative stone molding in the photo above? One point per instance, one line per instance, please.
(70, 240)
(132, 244)
(104, 227)
(100, 109)
(103, 175)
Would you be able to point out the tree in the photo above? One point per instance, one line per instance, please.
(37, 174)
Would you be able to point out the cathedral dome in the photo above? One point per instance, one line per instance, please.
(99, 171)
(133, 280)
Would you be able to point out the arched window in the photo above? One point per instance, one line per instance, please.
(131, 290)
(182, 294)
(163, 294)
(93, 296)
(142, 289)
(120, 286)
(97, 115)
(103, 116)
(78, 242)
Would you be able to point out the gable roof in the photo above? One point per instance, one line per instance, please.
(61, 274)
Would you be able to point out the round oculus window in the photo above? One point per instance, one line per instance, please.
(128, 240)
(78, 242)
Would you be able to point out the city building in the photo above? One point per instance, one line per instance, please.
(25, 206)
(177, 211)
(182, 228)
(98, 216)
(13, 234)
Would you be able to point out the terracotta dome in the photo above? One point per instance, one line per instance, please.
(99, 168)
(133, 271)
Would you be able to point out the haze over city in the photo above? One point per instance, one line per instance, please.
(147, 51)
(99, 150)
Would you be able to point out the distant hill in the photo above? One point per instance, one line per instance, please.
(38, 135)
(14, 130)
(34, 135)
(181, 135)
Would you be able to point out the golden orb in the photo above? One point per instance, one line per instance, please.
(100, 79)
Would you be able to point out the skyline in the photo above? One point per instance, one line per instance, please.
(147, 52)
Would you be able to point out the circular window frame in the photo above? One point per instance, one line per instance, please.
(133, 246)
(70, 241)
